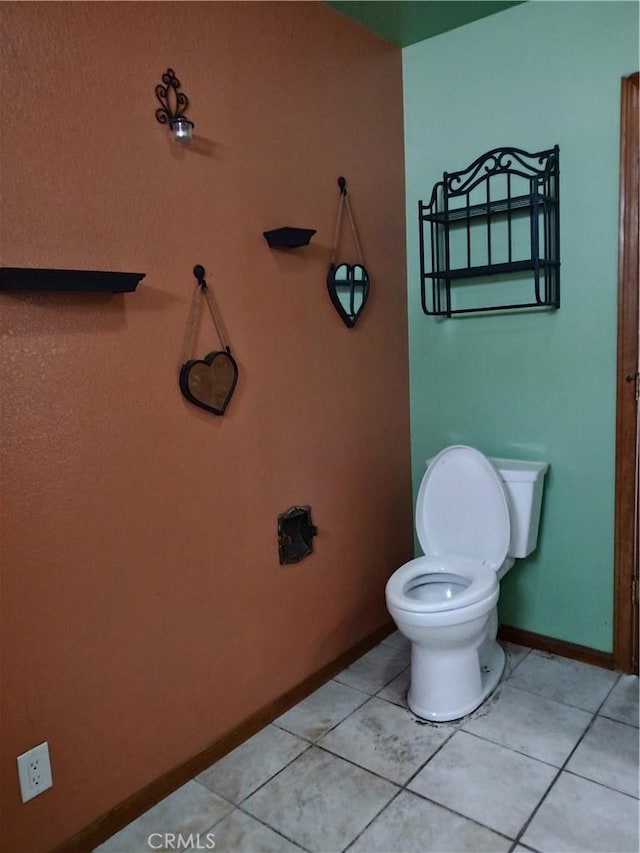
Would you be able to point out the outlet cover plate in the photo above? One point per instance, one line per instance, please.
(34, 771)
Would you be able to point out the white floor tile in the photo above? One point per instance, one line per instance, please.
(570, 681)
(515, 655)
(493, 785)
(413, 825)
(398, 640)
(190, 809)
(531, 724)
(579, 816)
(396, 690)
(374, 670)
(242, 771)
(241, 833)
(322, 710)
(386, 739)
(622, 702)
(608, 754)
(478, 780)
(320, 801)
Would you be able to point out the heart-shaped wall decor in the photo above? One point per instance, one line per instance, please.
(210, 382)
(348, 286)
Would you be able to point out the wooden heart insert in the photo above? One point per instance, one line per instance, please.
(210, 382)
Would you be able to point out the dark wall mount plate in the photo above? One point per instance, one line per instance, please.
(295, 534)
(21, 278)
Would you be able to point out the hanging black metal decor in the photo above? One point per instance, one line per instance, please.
(208, 382)
(348, 284)
(173, 104)
(490, 235)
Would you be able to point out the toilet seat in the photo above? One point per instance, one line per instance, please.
(464, 528)
(462, 508)
(477, 581)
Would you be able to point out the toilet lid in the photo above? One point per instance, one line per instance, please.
(462, 508)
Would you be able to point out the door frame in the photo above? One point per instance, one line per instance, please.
(625, 646)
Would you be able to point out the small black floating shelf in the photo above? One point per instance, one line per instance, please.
(288, 238)
(21, 278)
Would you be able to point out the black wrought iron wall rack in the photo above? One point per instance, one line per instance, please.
(490, 235)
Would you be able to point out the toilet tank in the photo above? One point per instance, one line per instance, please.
(524, 483)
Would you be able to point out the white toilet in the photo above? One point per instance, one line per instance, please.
(474, 515)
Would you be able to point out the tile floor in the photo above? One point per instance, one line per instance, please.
(549, 763)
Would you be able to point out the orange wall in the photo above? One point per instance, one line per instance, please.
(144, 610)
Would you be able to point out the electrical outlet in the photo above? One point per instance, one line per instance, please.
(34, 771)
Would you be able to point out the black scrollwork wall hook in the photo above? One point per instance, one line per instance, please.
(173, 105)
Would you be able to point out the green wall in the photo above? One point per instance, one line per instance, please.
(536, 385)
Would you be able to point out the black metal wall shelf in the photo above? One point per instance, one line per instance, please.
(288, 237)
(491, 269)
(503, 205)
(498, 219)
(22, 278)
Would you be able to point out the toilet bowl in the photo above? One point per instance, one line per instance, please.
(445, 602)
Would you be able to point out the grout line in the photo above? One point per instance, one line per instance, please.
(340, 758)
(359, 766)
(516, 841)
(402, 787)
(536, 808)
(616, 720)
(456, 726)
(368, 697)
(526, 847)
(336, 678)
(510, 749)
(313, 742)
(262, 784)
(510, 667)
(424, 764)
(465, 817)
(273, 829)
(600, 784)
(386, 683)
(257, 819)
(548, 699)
(527, 823)
(373, 819)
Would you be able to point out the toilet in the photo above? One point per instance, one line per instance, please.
(474, 517)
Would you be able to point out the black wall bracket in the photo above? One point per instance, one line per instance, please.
(19, 278)
(288, 237)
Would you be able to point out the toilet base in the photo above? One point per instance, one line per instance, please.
(480, 671)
